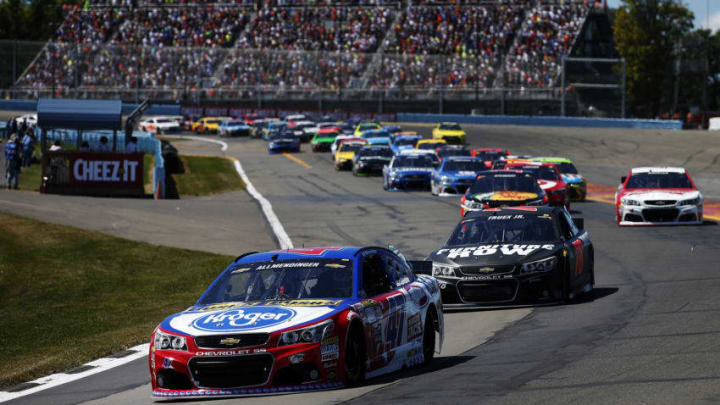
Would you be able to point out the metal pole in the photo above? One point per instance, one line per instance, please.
(14, 62)
(624, 84)
(562, 85)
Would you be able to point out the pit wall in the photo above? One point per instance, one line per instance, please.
(542, 121)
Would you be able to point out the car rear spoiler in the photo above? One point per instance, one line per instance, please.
(421, 266)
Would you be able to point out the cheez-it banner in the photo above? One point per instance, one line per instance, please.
(108, 170)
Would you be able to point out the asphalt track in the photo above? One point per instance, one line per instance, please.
(648, 334)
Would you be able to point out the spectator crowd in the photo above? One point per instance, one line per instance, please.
(163, 44)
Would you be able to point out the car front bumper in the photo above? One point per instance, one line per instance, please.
(502, 289)
(644, 215)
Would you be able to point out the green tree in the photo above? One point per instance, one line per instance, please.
(646, 35)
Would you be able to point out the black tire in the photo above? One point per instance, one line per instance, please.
(429, 338)
(354, 357)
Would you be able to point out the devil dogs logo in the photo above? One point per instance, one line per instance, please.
(243, 318)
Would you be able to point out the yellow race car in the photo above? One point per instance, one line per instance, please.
(430, 144)
(450, 132)
(346, 152)
(206, 125)
(366, 126)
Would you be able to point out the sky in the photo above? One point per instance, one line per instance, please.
(699, 8)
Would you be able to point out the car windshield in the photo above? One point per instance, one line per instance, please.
(163, 121)
(283, 280)
(430, 145)
(488, 155)
(412, 161)
(405, 142)
(566, 168)
(464, 166)
(450, 127)
(454, 152)
(235, 123)
(353, 147)
(505, 182)
(384, 152)
(541, 172)
(511, 228)
(659, 180)
(367, 127)
(373, 134)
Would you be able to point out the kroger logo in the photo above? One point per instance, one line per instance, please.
(243, 318)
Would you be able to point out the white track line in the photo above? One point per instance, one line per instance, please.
(199, 138)
(98, 366)
(107, 363)
(280, 234)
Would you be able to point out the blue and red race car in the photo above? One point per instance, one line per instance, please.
(298, 320)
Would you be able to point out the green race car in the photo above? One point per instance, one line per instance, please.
(324, 138)
(570, 175)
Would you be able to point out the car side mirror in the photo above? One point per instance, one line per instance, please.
(421, 266)
(579, 223)
(622, 179)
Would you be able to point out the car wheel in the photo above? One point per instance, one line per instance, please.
(432, 188)
(429, 338)
(354, 357)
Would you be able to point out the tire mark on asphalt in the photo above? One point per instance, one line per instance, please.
(691, 156)
(346, 236)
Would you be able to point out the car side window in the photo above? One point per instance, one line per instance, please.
(565, 230)
(573, 228)
(375, 280)
(400, 274)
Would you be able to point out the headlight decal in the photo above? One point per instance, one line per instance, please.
(311, 334)
(539, 266)
(168, 341)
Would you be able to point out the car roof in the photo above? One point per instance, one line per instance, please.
(657, 169)
(534, 210)
(334, 252)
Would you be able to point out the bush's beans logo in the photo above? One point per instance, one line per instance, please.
(486, 250)
(244, 318)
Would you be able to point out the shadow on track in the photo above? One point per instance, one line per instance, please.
(438, 363)
(595, 294)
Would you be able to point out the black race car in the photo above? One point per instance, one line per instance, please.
(371, 159)
(515, 256)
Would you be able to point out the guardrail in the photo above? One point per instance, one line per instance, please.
(543, 121)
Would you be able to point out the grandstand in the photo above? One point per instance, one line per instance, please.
(177, 50)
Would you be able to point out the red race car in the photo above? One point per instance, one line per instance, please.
(489, 155)
(549, 178)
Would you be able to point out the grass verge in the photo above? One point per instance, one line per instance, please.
(205, 175)
(70, 296)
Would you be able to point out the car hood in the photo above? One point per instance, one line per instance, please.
(459, 174)
(239, 317)
(283, 140)
(504, 196)
(655, 194)
(572, 178)
(412, 170)
(323, 139)
(493, 254)
(345, 155)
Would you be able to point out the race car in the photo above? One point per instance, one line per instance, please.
(377, 137)
(207, 124)
(450, 132)
(455, 175)
(430, 154)
(346, 152)
(298, 320)
(515, 256)
(403, 142)
(451, 150)
(408, 171)
(549, 179)
(339, 139)
(370, 159)
(283, 141)
(159, 125)
(272, 128)
(489, 155)
(234, 128)
(250, 118)
(366, 126)
(430, 144)
(658, 196)
(393, 130)
(323, 139)
(304, 130)
(498, 188)
(293, 118)
(257, 127)
(570, 175)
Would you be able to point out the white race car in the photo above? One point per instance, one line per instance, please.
(658, 196)
(160, 125)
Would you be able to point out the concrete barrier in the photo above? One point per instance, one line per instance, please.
(542, 121)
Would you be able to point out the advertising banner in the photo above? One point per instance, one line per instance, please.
(94, 173)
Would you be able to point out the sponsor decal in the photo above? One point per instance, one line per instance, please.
(312, 251)
(113, 171)
(332, 375)
(489, 277)
(414, 327)
(330, 348)
(230, 341)
(486, 250)
(481, 270)
(301, 303)
(243, 318)
(272, 266)
(214, 307)
(242, 270)
(167, 363)
(511, 196)
(505, 217)
(330, 364)
(335, 265)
